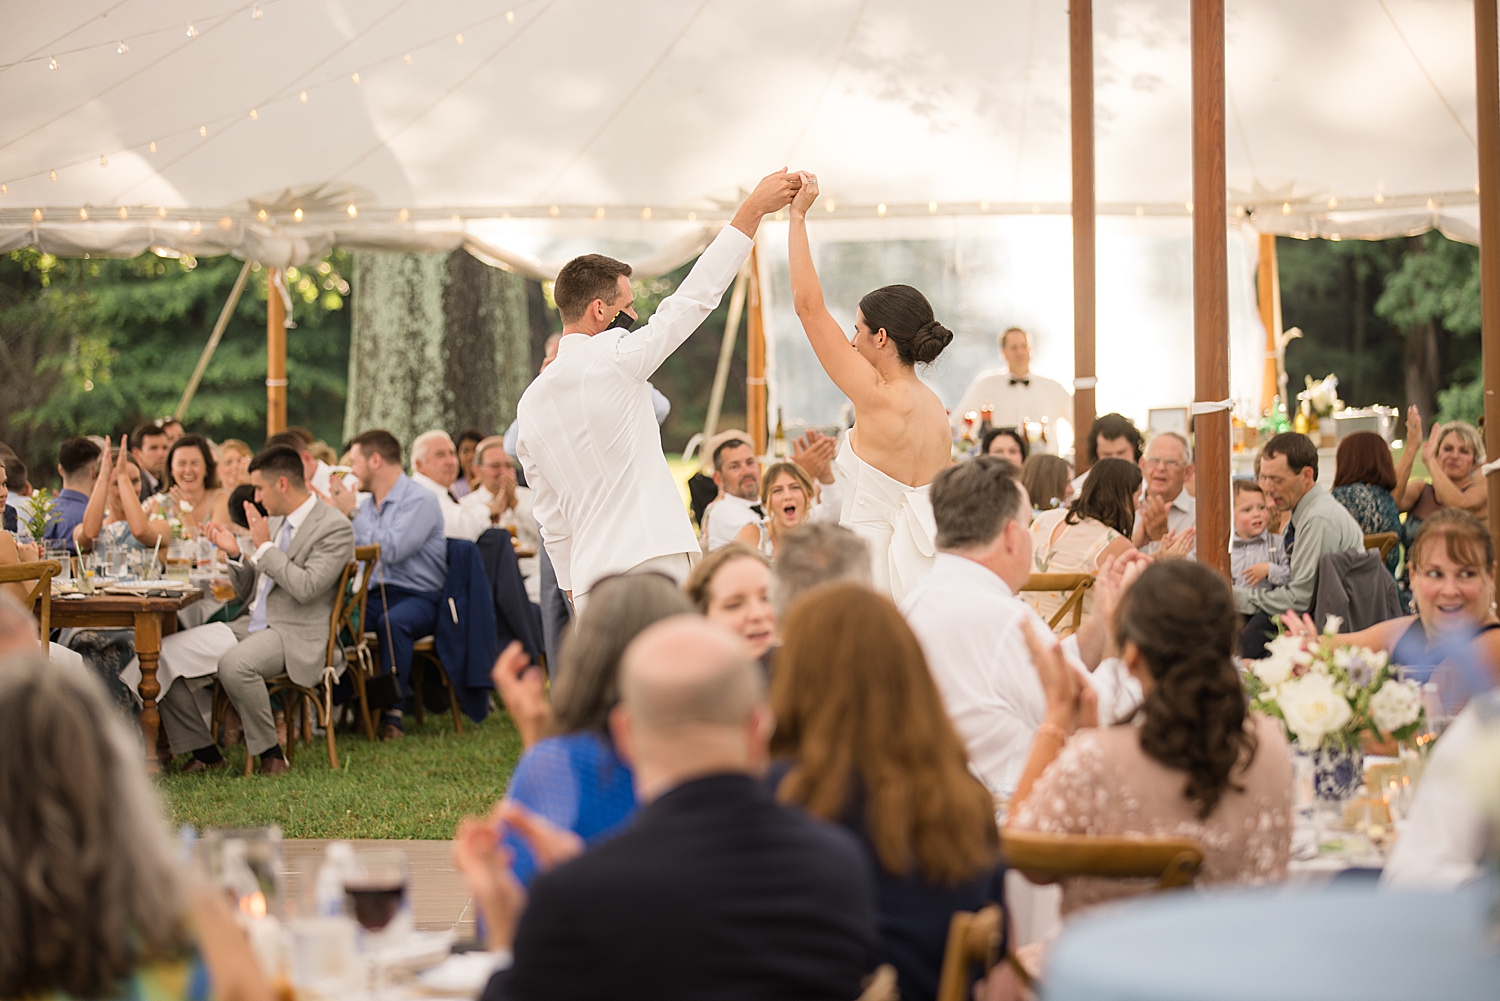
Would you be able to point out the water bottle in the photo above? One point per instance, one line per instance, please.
(328, 891)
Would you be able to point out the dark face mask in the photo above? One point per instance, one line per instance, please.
(623, 320)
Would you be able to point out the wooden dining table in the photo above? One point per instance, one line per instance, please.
(151, 618)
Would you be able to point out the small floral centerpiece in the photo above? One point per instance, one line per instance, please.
(39, 512)
(1329, 694)
(1322, 396)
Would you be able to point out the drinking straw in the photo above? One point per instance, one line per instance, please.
(154, 553)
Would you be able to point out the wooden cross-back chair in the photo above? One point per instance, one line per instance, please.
(344, 634)
(1074, 585)
(974, 944)
(1172, 862)
(1383, 541)
(40, 595)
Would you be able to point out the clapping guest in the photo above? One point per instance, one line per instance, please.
(571, 774)
(96, 904)
(1363, 478)
(192, 483)
(1195, 763)
(1452, 453)
(434, 467)
(1046, 479)
(506, 504)
(862, 740)
(233, 459)
(786, 496)
(468, 441)
(731, 587)
(1166, 506)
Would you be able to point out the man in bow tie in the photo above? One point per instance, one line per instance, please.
(737, 472)
(1017, 393)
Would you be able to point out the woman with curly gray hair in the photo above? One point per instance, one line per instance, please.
(94, 905)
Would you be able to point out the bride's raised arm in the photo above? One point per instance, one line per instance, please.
(854, 376)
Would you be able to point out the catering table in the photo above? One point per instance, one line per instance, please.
(1292, 945)
(151, 618)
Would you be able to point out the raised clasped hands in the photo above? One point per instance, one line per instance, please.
(773, 193)
(807, 193)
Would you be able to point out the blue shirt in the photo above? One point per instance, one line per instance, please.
(408, 528)
(70, 504)
(577, 781)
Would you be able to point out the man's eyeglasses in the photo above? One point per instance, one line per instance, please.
(1172, 464)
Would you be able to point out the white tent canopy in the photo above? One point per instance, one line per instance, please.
(201, 126)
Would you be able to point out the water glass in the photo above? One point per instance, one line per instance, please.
(59, 551)
(119, 560)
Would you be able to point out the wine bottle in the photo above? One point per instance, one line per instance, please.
(779, 448)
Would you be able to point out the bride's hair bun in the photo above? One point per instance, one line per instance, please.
(906, 317)
(929, 341)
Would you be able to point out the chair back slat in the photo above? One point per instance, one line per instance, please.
(1170, 861)
(1074, 585)
(40, 595)
(1383, 541)
(973, 940)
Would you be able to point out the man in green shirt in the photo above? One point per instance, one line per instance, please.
(1320, 525)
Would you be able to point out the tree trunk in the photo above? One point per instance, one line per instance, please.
(1423, 369)
(438, 341)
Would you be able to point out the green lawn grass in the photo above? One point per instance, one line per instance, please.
(418, 787)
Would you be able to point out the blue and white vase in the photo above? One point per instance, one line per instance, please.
(1337, 772)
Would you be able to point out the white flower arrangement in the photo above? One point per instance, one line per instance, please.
(1328, 692)
(1322, 396)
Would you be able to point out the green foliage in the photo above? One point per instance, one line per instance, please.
(100, 345)
(1436, 283)
(39, 512)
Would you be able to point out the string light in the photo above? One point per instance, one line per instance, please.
(455, 220)
(83, 213)
(406, 59)
(123, 48)
(1379, 198)
(104, 161)
(984, 206)
(692, 217)
(36, 215)
(510, 16)
(459, 38)
(52, 63)
(4, 189)
(880, 210)
(599, 212)
(203, 131)
(153, 147)
(553, 211)
(302, 97)
(1431, 205)
(257, 13)
(1188, 206)
(124, 212)
(254, 115)
(226, 223)
(1140, 210)
(1333, 202)
(161, 212)
(932, 208)
(192, 32)
(197, 227)
(403, 215)
(261, 215)
(828, 206)
(646, 212)
(52, 174)
(1286, 208)
(297, 215)
(355, 78)
(352, 210)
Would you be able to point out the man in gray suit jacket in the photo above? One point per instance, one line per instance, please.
(288, 585)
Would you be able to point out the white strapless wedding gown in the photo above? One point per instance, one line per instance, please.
(895, 519)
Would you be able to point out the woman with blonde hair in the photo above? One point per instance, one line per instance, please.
(95, 904)
(786, 495)
(731, 586)
(864, 741)
(1452, 453)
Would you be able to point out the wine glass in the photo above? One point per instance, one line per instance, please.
(374, 893)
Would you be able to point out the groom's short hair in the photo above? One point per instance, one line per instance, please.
(972, 501)
(584, 279)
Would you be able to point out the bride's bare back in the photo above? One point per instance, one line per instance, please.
(900, 427)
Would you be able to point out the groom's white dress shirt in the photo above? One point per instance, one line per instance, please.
(588, 440)
(969, 625)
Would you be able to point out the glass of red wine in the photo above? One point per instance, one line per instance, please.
(374, 892)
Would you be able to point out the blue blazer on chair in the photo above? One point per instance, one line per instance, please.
(466, 638)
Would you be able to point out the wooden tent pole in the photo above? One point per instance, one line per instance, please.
(213, 342)
(1268, 291)
(1210, 283)
(1081, 86)
(1487, 70)
(755, 358)
(275, 355)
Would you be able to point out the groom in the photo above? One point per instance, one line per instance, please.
(587, 437)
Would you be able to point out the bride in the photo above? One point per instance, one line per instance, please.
(901, 439)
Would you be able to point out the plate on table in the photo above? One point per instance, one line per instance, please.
(142, 586)
(463, 973)
(416, 950)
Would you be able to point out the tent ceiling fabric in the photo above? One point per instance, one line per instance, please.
(522, 132)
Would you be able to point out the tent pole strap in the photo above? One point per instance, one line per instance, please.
(1487, 69)
(213, 342)
(1210, 283)
(275, 354)
(726, 355)
(1081, 86)
(755, 356)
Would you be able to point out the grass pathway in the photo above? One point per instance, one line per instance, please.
(416, 787)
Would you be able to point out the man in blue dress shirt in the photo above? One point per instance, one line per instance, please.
(78, 465)
(407, 523)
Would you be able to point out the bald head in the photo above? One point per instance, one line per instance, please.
(685, 671)
(17, 628)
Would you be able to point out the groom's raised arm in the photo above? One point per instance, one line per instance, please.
(641, 352)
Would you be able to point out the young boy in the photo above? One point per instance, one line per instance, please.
(1257, 558)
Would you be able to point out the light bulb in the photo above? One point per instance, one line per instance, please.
(828, 206)
(932, 208)
(599, 212)
(254, 115)
(880, 210)
(1189, 207)
(123, 48)
(104, 161)
(4, 189)
(203, 131)
(355, 78)
(1140, 210)
(192, 32)
(52, 174)
(403, 215)
(36, 215)
(406, 59)
(692, 217)
(83, 213)
(261, 215)
(297, 215)
(459, 38)
(303, 97)
(646, 212)
(984, 206)
(153, 147)
(161, 212)
(1286, 208)
(553, 211)
(52, 63)
(510, 15)
(257, 13)
(1333, 203)
(124, 212)
(352, 210)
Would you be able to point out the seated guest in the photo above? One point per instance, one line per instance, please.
(406, 522)
(1450, 831)
(786, 495)
(714, 890)
(13, 487)
(966, 615)
(1046, 479)
(813, 554)
(234, 462)
(1167, 505)
(702, 490)
(731, 587)
(96, 904)
(434, 467)
(315, 470)
(191, 485)
(18, 629)
(1257, 556)
(1363, 477)
(468, 440)
(862, 740)
(737, 473)
(1453, 640)
(1004, 443)
(1193, 763)
(1113, 436)
(1452, 454)
(78, 465)
(288, 584)
(1094, 528)
(505, 504)
(570, 773)
(150, 454)
(1319, 525)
